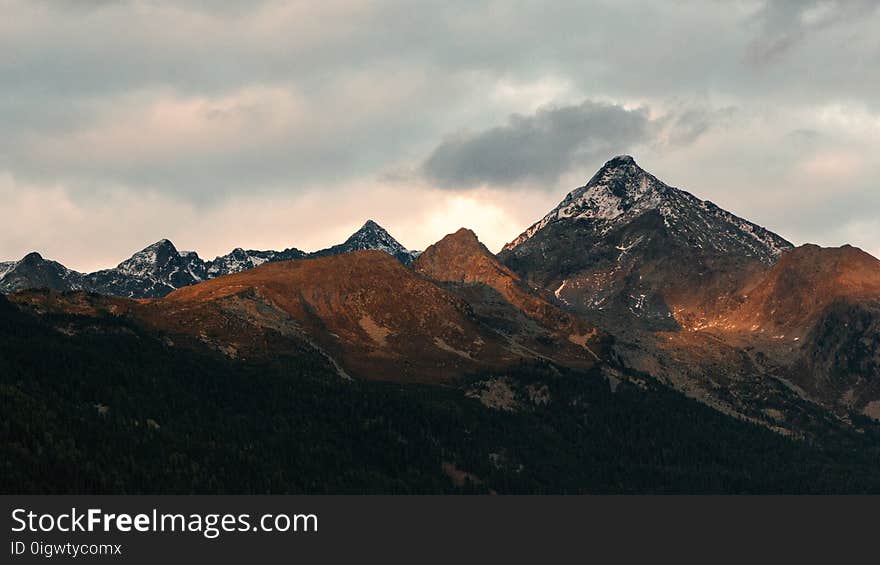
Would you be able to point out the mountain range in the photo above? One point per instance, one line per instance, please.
(631, 280)
(160, 268)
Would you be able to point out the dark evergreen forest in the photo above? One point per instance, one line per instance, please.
(114, 409)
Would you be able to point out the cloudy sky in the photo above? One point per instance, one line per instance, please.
(268, 124)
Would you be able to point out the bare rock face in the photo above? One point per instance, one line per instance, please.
(797, 290)
(626, 272)
(627, 249)
(503, 301)
(711, 303)
(370, 236)
(33, 271)
(817, 313)
(160, 268)
(365, 310)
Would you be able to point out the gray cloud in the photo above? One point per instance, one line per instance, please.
(685, 126)
(540, 147)
(782, 24)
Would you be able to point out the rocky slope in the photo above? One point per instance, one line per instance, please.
(153, 272)
(498, 296)
(627, 273)
(239, 260)
(33, 271)
(816, 314)
(712, 304)
(370, 236)
(369, 313)
(628, 249)
(160, 268)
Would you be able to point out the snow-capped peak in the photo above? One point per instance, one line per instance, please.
(370, 236)
(5, 267)
(373, 236)
(150, 259)
(621, 191)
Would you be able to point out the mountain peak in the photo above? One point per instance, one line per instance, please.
(463, 242)
(460, 257)
(804, 282)
(370, 236)
(162, 244)
(372, 233)
(620, 160)
(621, 192)
(150, 259)
(464, 234)
(34, 271)
(32, 257)
(370, 229)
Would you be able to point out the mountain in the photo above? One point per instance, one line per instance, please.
(366, 311)
(626, 273)
(714, 305)
(239, 260)
(5, 267)
(98, 404)
(160, 268)
(150, 273)
(626, 248)
(592, 336)
(34, 271)
(502, 301)
(370, 236)
(816, 315)
(805, 281)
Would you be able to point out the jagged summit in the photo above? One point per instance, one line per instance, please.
(152, 272)
(370, 236)
(372, 233)
(460, 257)
(629, 244)
(161, 268)
(500, 299)
(150, 259)
(240, 259)
(621, 192)
(33, 271)
(621, 160)
(32, 257)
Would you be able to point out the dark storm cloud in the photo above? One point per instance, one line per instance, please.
(539, 148)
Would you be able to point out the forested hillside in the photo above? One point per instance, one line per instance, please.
(112, 409)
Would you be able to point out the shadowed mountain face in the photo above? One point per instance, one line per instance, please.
(711, 303)
(35, 272)
(626, 249)
(370, 236)
(160, 268)
(150, 273)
